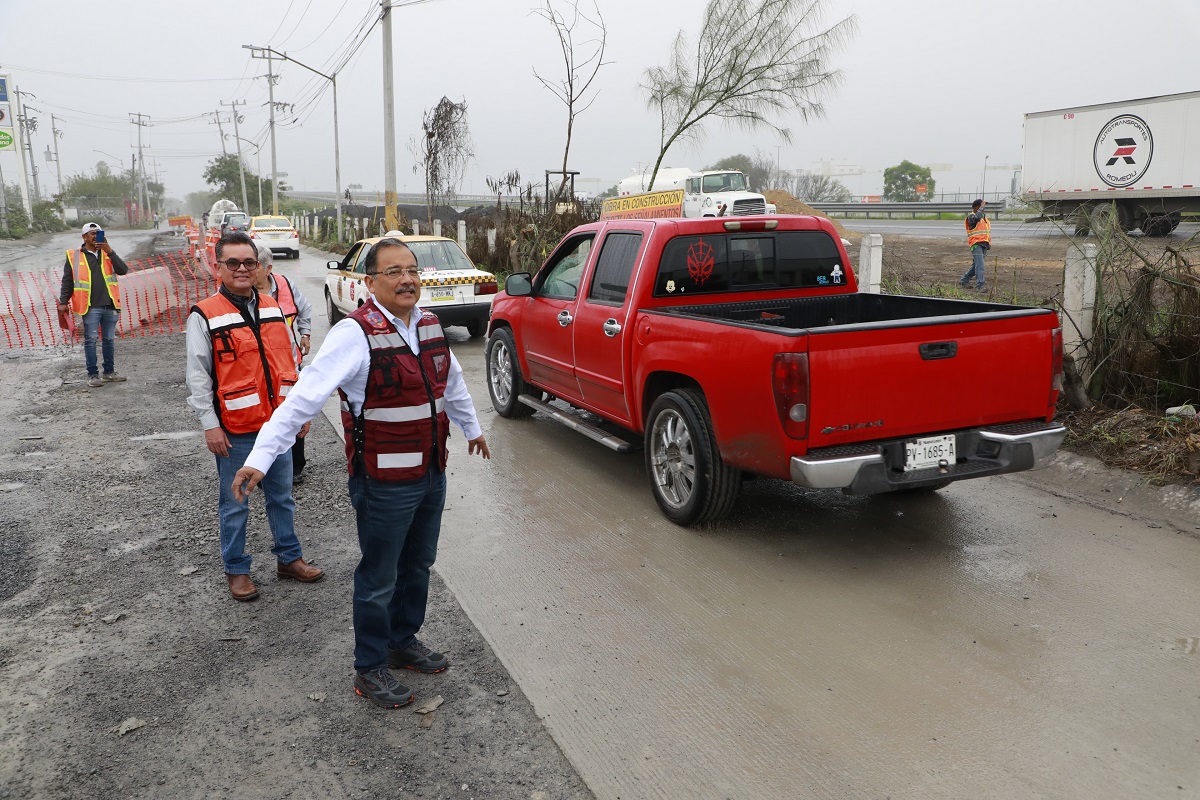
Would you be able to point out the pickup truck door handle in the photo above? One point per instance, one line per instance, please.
(932, 351)
(565, 318)
(611, 327)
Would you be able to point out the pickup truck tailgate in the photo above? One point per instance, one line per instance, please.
(873, 382)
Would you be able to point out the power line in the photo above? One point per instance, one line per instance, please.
(125, 78)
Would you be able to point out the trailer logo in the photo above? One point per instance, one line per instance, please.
(1123, 150)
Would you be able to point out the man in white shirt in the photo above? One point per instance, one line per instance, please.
(400, 388)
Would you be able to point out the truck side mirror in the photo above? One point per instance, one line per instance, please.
(518, 285)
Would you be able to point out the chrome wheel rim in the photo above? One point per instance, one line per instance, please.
(672, 458)
(500, 374)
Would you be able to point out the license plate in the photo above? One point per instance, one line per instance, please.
(928, 452)
(437, 294)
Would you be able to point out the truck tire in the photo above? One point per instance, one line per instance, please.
(331, 310)
(476, 328)
(505, 382)
(691, 484)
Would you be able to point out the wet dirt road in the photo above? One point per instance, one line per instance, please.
(1027, 636)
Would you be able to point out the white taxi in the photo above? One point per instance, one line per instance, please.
(277, 233)
(451, 286)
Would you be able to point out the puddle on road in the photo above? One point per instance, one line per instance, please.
(164, 436)
(10, 487)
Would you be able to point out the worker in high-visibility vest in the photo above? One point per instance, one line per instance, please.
(297, 312)
(89, 289)
(979, 239)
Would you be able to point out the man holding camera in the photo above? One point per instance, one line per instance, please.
(89, 289)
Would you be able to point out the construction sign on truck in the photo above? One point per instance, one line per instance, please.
(652, 205)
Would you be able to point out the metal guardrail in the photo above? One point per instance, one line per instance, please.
(880, 209)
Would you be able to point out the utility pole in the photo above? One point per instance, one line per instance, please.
(27, 126)
(142, 120)
(337, 156)
(274, 165)
(217, 121)
(241, 169)
(57, 163)
(389, 122)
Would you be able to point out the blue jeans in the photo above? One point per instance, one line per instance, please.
(398, 527)
(105, 319)
(281, 509)
(976, 270)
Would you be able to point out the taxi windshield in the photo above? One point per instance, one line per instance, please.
(440, 255)
(273, 222)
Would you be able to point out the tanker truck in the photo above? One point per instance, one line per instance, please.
(714, 193)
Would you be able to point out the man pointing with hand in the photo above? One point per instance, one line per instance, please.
(400, 388)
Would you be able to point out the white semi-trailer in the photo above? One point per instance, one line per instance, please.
(1137, 161)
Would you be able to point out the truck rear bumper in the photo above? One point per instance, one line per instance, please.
(878, 467)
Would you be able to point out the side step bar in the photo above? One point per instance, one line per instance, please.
(591, 431)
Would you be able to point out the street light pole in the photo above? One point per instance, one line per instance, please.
(241, 169)
(389, 123)
(337, 155)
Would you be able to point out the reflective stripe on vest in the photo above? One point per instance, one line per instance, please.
(81, 297)
(402, 426)
(981, 234)
(285, 296)
(252, 372)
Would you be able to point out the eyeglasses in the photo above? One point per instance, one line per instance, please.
(396, 272)
(232, 264)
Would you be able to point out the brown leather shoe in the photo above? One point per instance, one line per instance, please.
(241, 587)
(299, 571)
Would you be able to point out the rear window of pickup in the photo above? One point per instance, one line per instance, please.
(739, 262)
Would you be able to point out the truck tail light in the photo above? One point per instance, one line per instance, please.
(752, 225)
(1056, 367)
(295, 234)
(789, 377)
(487, 287)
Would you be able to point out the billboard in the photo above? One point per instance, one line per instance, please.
(654, 205)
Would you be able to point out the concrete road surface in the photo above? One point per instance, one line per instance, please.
(1015, 637)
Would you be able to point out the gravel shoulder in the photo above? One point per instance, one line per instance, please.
(113, 610)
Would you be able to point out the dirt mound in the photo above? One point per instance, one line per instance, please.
(786, 204)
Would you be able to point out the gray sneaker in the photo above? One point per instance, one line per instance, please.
(112, 377)
(381, 688)
(417, 657)
(94, 380)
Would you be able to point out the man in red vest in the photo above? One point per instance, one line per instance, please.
(89, 289)
(401, 387)
(240, 368)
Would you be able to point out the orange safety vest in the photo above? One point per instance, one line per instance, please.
(252, 369)
(285, 296)
(981, 233)
(81, 298)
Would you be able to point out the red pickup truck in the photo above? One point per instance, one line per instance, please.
(741, 346)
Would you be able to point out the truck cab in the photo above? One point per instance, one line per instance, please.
(721, 194)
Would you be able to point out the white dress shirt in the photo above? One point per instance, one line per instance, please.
(343, 362)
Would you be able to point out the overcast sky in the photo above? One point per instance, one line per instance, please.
(932, 81)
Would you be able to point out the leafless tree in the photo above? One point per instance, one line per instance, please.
(443, 152)
(813, 187)
(581, 62)
(751, 61)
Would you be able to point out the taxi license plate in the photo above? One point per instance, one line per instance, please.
(438, 293)
(928, 452)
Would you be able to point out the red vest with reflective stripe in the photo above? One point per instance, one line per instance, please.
(403, 424)
(287, 304)
(252, 371)
(81, 298)
(981, 233)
